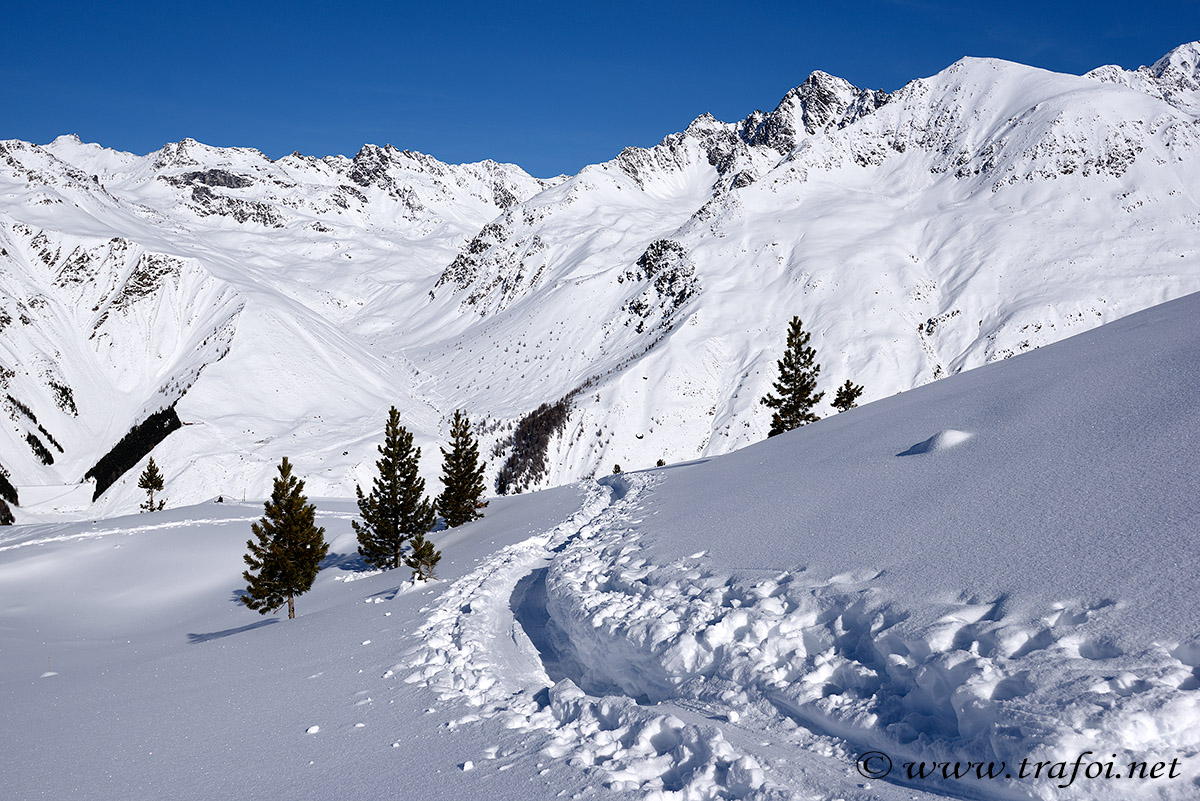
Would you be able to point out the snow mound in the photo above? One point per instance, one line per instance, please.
(940, 441)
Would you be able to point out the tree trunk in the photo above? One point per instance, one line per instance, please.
(291, 608)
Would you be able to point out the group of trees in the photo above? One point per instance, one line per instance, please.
(288, 546)
(797, 385)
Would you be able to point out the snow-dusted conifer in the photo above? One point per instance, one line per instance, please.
(396, 508)
(462, 476)
(423, 557)
(847, 396)
(797, 383)
(287, 549)
(151, 481)
(6, 515)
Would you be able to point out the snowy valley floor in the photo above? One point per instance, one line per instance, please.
(997, 567)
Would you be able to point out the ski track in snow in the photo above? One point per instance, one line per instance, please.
(675, 681)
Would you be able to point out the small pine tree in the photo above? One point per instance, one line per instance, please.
(397, 507)
(462, 476)
(797, 383)
(289, 547)
(6, 515)
(661, 463)
(616, 469)
(423, 557)
(847, 396)
(151, 481)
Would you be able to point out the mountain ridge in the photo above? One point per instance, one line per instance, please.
(961, 219)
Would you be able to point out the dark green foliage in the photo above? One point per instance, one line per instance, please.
(287, 549)
(396, 508)
(25, 410)
(139, 441)
(847, 396)
(661, 463)
(64, 397)
(616, 469)
(530, 440)
(50, 437)
(7, 491)
(39, 450)
(151, 481)
(423, 557)
(462, 476)
(797, 383)
(6, 515)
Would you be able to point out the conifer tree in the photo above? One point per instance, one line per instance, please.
(151, 481)
(6, 515)
(462, 476)
(396, 508)
(423, 557)
(847, 396)
(797, 383)
(288, 550)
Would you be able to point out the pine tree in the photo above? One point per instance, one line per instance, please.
(847, 396)
(6, 515)
(151, 481)
(423, 557)
(289, 547)
(462, 476)
(396, 508)
(797, 383)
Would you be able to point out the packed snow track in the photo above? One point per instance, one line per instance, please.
(671, 678)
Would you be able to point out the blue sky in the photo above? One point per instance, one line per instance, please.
(550, 86)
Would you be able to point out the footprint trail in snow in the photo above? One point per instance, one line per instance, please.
(675, 681)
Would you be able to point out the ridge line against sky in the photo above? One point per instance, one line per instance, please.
(549, 86)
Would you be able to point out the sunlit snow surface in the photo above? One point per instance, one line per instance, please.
(744, 626)
(978, 213)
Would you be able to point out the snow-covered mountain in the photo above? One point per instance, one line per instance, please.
(284, 305)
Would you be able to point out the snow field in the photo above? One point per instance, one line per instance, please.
(623, 639)
(484, 644)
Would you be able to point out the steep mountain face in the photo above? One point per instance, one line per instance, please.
(220, 281)
(1174, 78)
(284, 305)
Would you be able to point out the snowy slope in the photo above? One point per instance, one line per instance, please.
(967, 217)
(132, 283)
(993, 567)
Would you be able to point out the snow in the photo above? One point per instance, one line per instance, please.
(970, 216)
(995, 566)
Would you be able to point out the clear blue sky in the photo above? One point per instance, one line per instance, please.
(550, 86)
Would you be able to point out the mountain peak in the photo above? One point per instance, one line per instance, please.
(1181, 66)
(1174, 78)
